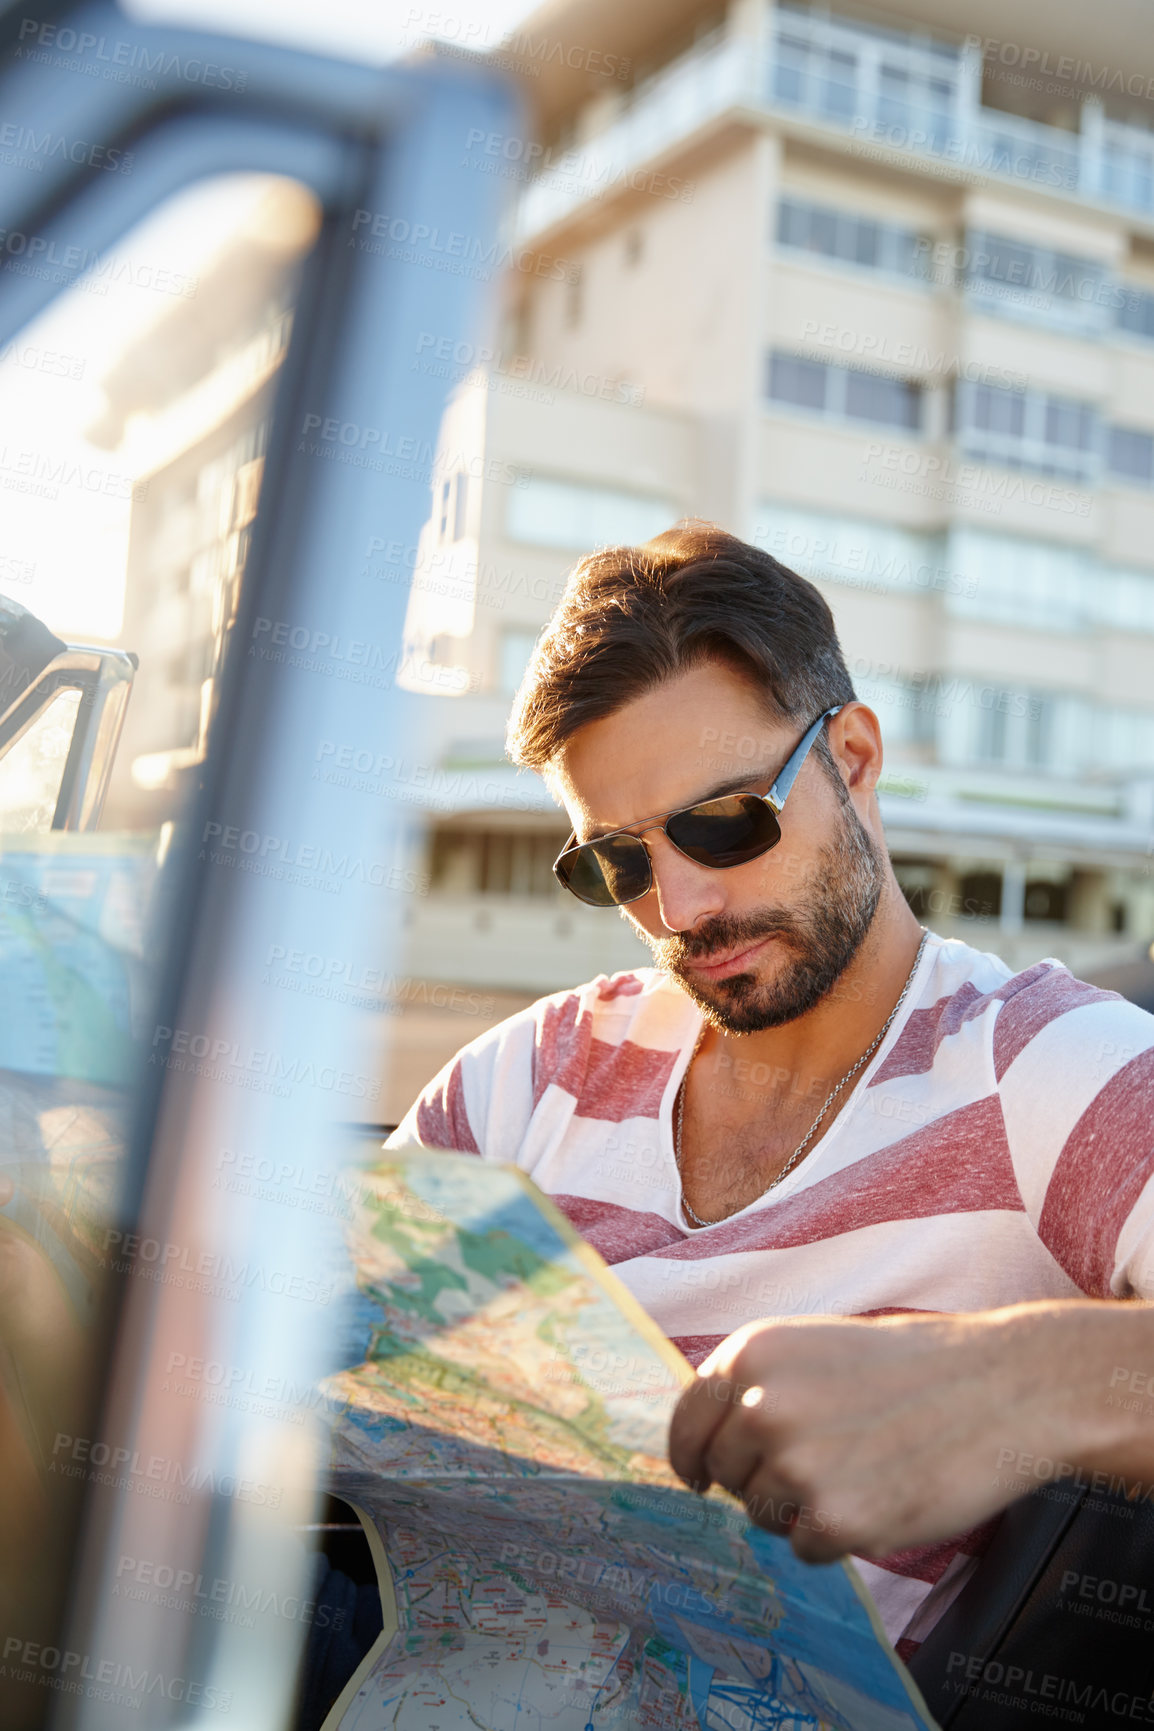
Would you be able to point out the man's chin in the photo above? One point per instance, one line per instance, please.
(733, 1006)
(745, 1004)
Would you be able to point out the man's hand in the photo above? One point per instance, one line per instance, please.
(875, 1435)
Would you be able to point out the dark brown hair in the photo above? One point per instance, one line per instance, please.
(632, 617)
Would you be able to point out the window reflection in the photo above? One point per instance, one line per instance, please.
(131, 477)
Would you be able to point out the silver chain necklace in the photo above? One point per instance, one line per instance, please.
(829, 1099)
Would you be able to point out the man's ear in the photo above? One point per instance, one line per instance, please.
(855, 741)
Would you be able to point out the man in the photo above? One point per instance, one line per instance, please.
(872, 1184)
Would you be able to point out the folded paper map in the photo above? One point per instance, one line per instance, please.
(503, 1439)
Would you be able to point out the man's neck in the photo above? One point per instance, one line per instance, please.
(750, 1101)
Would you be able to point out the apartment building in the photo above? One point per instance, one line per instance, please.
(880, 297)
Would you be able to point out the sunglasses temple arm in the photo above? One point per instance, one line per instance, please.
(779, 792)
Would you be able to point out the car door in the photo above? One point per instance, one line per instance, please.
(210, 302)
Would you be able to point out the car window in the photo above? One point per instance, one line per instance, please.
(133, 418)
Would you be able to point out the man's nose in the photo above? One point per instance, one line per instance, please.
(687, 892)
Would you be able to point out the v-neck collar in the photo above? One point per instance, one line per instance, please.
(803, 1173)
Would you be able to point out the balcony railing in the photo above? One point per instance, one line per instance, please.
(1125, 164)
(904, 91)
(1018, 279)
(878, 87)
(1017, 149)
(672, 105)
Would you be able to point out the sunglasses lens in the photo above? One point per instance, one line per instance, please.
(607, 873)
(725, 832)
(718, 833)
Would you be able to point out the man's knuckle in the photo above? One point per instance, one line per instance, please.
(793, 1465)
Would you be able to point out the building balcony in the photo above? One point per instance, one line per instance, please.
(668, 108)
(878, 90)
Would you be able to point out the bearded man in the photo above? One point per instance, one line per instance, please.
(885, 1193)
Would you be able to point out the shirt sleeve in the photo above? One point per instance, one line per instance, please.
(1075, 1069)
(439, 1117)
(481, 1101)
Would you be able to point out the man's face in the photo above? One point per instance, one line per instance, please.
(758, 944)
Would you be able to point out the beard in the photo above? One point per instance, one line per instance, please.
(820, 940)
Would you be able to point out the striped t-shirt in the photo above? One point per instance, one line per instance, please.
(998, 1148)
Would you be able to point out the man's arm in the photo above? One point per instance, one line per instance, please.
(902, 1430)
(899, 1431)
(439, 1116)
(481, 1101)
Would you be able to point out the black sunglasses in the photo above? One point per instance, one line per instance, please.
(616, 869)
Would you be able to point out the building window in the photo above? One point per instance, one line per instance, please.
(1013, 729)
(846, 71)
(451, 508)
(851, 239)
(998, 411)
(1012, 580)
(1072, 426)
(852, 550)
(1130, 455)
(816, 76)
(844, 393)
(495, 862)
(1019, 280)
(1045, 900)
(1134, 313)
(576, 517)
(1031, 430)
(1062, 734)
(981, 895)
(906, 708)
(802, 383)
(889, 402)
(917, 882)
(1124, 598)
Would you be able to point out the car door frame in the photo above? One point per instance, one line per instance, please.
(374, 145)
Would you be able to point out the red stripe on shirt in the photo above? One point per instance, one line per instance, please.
(959, 1164)
(442, 1120)
(930, 1562)
(1035, 1003)
(896, 1310)
(608, 1082)
(1048, 992)
(625, 985)
(617, 1234)
(624, 1081)
(697, 1347)
(561, 1046)
(1027, 1003)
(917, 1045)
(1109, 1155)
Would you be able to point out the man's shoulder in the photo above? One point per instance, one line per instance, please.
(638, 1005)
(970, 985)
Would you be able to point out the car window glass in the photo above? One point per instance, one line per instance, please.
(133, 418)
